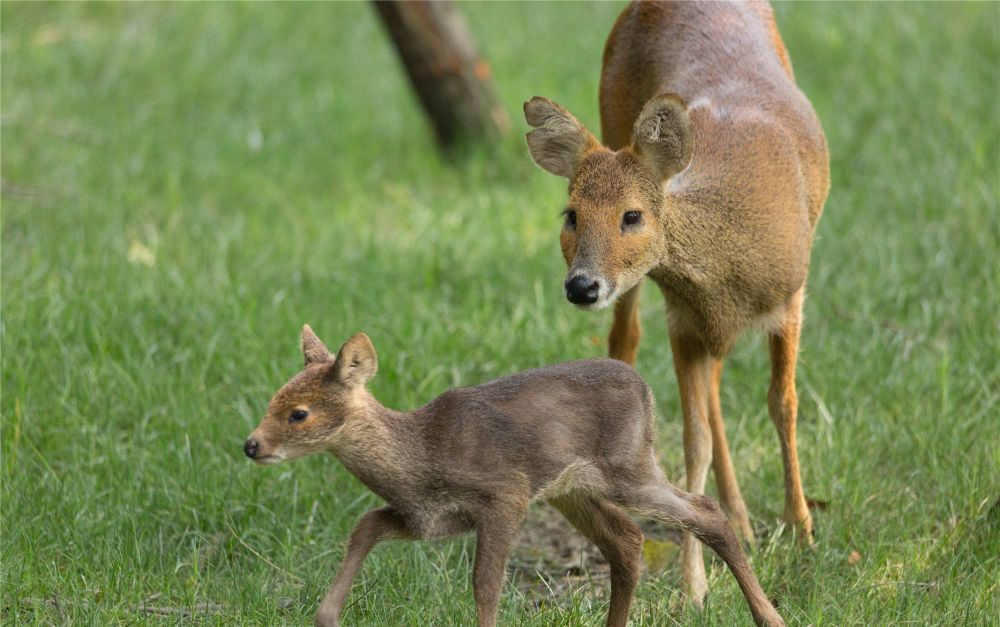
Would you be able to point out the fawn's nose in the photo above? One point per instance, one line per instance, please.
(250, 448)
(582, 290)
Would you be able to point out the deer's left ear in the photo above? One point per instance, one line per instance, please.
(314, 351)
(662, 135)
(356, 362)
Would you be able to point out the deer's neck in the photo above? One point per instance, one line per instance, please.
(696, 275)
(685, 269)
(376, 446)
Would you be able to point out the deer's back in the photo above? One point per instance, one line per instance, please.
(729, 64)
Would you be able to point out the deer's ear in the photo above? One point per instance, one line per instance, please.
(356, 362)
(662, 135)
(314, 351)
(559, 141)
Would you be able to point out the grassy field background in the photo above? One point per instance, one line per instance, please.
(185, 185)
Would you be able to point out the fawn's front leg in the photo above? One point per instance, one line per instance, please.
(383, 523)
(496, 533)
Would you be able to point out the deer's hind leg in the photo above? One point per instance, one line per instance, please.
(618, 538)
(782, 403)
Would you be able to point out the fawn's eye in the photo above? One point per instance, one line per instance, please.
(298, 415)
(631, 218)
(570, 217)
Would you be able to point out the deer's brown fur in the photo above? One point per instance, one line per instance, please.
(707, 139)
(578, 434)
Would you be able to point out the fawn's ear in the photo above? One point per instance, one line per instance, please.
(356, 362)
(559, 141)
(662, 135)
(313, 349)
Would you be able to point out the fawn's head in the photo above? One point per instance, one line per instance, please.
(612, 235)
(306, 413)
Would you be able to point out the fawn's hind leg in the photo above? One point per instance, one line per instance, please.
(618, 538)
(702, 517)
(383, 523)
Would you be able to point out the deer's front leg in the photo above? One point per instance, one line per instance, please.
(725, 478)
(693, 365)
(377, 525)
(496, 533)
(623, 339)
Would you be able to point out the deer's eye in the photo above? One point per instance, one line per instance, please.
(631, 218)
(298, 415)
(570, 218)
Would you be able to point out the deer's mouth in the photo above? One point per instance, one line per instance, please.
(269, 460)
(603, 303)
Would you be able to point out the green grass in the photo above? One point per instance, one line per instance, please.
(127, 388)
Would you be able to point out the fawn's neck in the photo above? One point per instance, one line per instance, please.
(376, 445)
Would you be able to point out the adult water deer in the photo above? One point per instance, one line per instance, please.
(710, 181)
(577, 434)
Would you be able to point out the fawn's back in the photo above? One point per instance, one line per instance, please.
(538, 423)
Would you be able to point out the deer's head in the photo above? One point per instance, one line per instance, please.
(612, 234)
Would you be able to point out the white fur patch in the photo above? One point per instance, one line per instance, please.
(770, 321)
(579, 476)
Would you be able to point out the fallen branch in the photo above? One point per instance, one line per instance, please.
(162, 610)
(198, 608)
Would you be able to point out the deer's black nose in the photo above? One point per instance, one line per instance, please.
(582, 290)
(250, 448)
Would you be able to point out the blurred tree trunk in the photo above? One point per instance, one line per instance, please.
(440, 58)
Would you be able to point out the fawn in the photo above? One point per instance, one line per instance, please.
(578, 434)
(711, 179)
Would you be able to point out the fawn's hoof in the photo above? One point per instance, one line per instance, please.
(326, 620)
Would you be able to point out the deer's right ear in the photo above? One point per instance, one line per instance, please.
(356, 362)
(314, 351)
(559, 141)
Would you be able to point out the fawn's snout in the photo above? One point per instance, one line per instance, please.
(256, 448)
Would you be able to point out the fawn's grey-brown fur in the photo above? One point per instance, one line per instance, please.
(578, 434)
